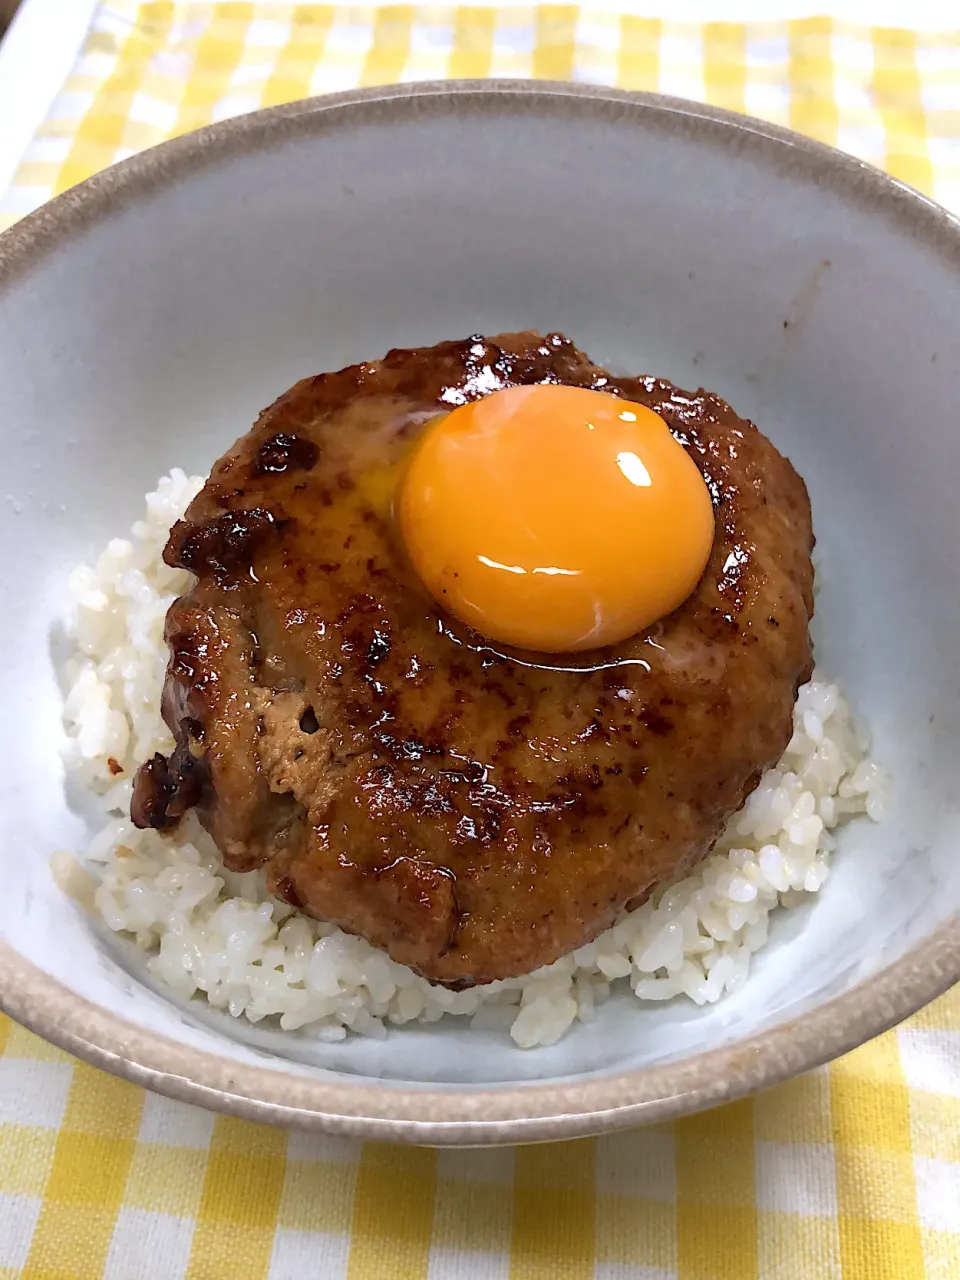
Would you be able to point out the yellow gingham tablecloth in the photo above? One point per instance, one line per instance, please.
(852, 1170)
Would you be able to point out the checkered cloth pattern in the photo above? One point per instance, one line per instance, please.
(852, 1171)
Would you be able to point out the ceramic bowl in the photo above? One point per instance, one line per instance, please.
(147, 315)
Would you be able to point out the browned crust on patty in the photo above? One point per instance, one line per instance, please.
(475, 812)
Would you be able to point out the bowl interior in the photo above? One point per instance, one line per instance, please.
(151, 335)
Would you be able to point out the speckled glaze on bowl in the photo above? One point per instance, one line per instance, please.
(147, 315)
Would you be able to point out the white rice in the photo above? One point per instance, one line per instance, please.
(220, 935)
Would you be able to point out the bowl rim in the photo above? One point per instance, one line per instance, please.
(475, 1115)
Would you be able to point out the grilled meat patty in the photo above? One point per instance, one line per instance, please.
(475, 812)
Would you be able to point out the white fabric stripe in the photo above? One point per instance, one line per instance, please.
(681, 61)
(637, 1164)
(468, 1264)
(630, 1271)
(18, 1220)
(930, 1058)
(938, 1194)
(148, 1244)
(298, 1255)
(33, 1093)
(174, 1124)
(796, 1177)
(485, 1165)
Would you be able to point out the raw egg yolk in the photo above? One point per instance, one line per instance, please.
(555, 518)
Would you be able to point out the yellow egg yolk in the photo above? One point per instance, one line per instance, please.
(555, 518)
